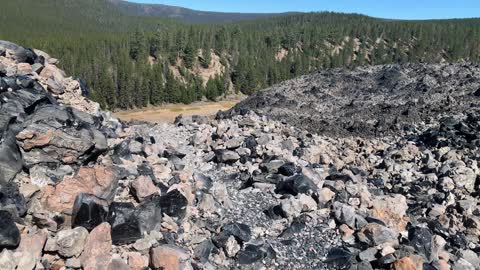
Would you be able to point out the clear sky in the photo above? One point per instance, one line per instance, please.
(394, 9)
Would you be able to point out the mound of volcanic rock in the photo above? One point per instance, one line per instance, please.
(81, 190)
(369, 101)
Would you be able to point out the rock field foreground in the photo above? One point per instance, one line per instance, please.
(81, 190)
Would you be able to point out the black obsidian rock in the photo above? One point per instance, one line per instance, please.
(123, 220)
(149, 215)
(3, 85)
(250, 143)
(240, 231)
(170, 153)
(203, 250)
(146, 170)
(11, 83)
(10, 196)
(422, 240)
(253, 253)
(121, 150)
(83, 87)
(340, 258)
(9, 233)
(174, 204)
(275, 212)
(25, 82)
(23, 55)
(295, 185)
(287, 169)
(89, 211)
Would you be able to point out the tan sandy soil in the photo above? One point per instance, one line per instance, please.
(168, 113)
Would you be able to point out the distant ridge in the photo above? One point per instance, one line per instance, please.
(189, 15)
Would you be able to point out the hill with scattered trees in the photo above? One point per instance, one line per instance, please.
(187, 15)
(134, 61)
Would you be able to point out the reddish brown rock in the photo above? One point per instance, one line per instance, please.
(51, 71)
(169, 257)
(33, 243)
(391, 210)
(347, 233)
(413, 262)
(99, 181)
(136, 261)
(144, 187)
(24, 68)
(97, 251)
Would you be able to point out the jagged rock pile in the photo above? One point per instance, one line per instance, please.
(81, 190)
(370, 101)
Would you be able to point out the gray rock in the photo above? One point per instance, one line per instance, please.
(178, 163)
(345, 214)
(471, 257)
(226, 156)
(70, 243)
(368, 255)
(375, 234)
(463, 264)
(37, 68)
(7, 260)
(135, 147)
(118, 264)
(55, 87)
(73, 263)
(234, 143)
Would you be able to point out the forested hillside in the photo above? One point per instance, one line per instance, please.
(187, 15)
(133, 61)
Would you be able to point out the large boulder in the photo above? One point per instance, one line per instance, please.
(98, 180)
(97, 251)
(60, 136)
(9, 233)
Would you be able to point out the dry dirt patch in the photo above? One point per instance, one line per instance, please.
(167, 113)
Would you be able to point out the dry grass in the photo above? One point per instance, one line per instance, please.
(168, 113)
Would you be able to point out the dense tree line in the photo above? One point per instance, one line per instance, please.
(133, 61)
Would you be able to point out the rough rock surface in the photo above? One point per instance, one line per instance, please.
(248, 191)
(366, 101)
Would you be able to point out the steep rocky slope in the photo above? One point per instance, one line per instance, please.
(81, 190)
(369, 101)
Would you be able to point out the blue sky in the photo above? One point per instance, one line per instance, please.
(395, 9)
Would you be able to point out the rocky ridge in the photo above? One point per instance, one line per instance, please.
(370, 101)
(81, 190)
